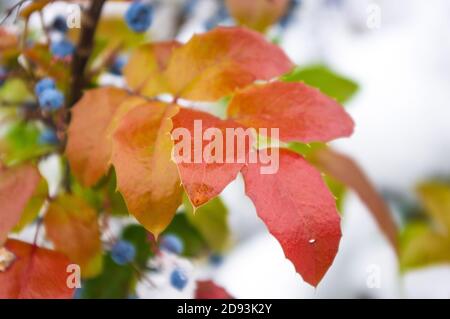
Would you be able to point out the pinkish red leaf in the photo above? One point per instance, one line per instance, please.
(299, 211)
(204, 179)
(207, 289)
(300, 112)
(35, 273)
(17, 186)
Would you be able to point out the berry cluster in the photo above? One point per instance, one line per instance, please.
(49, 97)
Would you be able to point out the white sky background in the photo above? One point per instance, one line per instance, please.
(402, 116)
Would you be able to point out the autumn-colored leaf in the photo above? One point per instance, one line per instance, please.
(345, 170)
(17, 186)
(205, 178)
(88, 147)
(299, 211)
(35, 273)
(146, 175)
(216, 63)
(144, 71)
(40, 55)
(33, 7)
(257, 14)
(207, 289)
(72, 226)
(300, 112)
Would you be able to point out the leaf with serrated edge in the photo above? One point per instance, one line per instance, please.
(299, 211)
(300, 112)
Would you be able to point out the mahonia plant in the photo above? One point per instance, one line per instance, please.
(115, 147)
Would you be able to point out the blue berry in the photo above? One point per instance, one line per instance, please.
(123, 252)
(118, 65)
(3, 75)
(51, 99)
(44, 84)
(48, 136)
(62, 49)
(172, 243)
(178, 279)
(139, 16)
(59, 24)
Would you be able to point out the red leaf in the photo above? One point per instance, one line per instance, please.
(300, 112)
(17, 186)
(36, 273)
(204, 180)
(209, 290)
(299, 211)
(216, 63)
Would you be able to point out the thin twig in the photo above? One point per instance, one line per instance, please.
(84, 49)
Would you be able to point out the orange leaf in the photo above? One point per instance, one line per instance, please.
(88, 148)
(300, 112)
(17, 186)
(36, 273)
(257, 14)
(146, 65)
(146, 175)
(345, 170)
(216, 63)
(72, 226)
(33, 7)
(299, 211)
(204, 179)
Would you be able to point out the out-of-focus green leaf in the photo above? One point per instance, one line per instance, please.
(21, 143)
(115, 202)
(421, 246)
(326, 80)
(211, 221)
(34, 206)
(435, 197)
(338, 189)
(193, 242)
(14, 91)
(138, 236)
(115, 282)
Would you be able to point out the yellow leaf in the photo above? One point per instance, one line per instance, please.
(72, 226)
(146, 175)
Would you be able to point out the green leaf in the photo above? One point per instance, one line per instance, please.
(138, 236)
(210, 220)
(34, 206)
(435, 197)
(21, 143)
(115, 282)
(193, 242)
(14, 91)
(326, 80)
(422, 246)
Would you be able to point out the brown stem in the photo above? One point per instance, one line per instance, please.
(84, 49)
